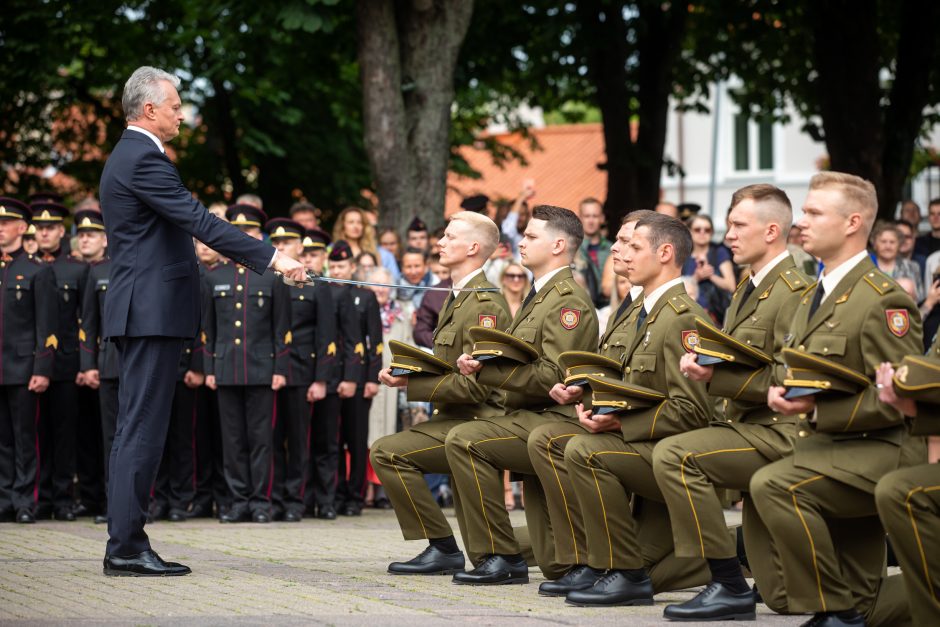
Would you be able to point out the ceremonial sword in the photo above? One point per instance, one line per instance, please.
(312, 277)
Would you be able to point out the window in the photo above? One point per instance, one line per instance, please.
(753, 144)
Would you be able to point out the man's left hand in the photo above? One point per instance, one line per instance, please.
(788, 407)
(278, 381)
(370, 390)
(38, 384)
(193, 379)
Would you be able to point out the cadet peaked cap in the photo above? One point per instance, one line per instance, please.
(13, 209)
(810, 374)
(245, 215)
(45, 196)
(918, 377)
(30, 232)
(411, 360)
(610, 396)
(316, 238)
(284, 228)
(48, 212)
(715, 347)
(89, 220)
(476, 203)
(491, 343)
(578, 365)
(688, 209)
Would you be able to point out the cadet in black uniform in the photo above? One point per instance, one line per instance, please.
(27, 347)
(313, 328)
(247, 326)
(354, 425)
(98, 360)
(59, 422)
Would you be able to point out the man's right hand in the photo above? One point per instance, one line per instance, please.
(289, 268)
(565, 395)
(346, 389)
(210, 381)
(468, 365)
(92, 379)
(688, 365)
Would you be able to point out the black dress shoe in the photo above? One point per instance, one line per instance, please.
(828, 619)
(81, 510)
(382, 503)
(176, 515)
(579, 577)
(612, 589)
(64, 513)
(291, 516)
(235, 515)
(203, 510)
(715, 602)
(352, 509)
(101, 519)
(7, 516)
(495, 570)
(261, 517)
(431, 561)
(156, 512)
(146, 564)
(25, 516)
(326, 512)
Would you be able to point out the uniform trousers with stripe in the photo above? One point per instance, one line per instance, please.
(108, 402)
(246, 414)
(58, 432)
(19, 449)
(324, 452)
(354, 435)
(176, 479)
(292, 449)
(831, 544)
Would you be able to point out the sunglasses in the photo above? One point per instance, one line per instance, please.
(701, 229)
(513, 276)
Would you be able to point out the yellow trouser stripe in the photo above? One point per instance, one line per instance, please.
(610, 544)
(920, 546)
(688, 492)
(405, 486)
(480, 488)
(812, 545)
(548, 451)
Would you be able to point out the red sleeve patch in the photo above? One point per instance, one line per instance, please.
(570, 318)
(899, 321)
(689, 340)
(487, 321)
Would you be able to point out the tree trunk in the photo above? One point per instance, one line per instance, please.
(407, 56)
(228, 136)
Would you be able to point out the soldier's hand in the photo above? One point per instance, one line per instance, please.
(690, 368)
(468, 365)
(210, 381)
(80, 378)
(316, 391)
(346, 389)
(38, 384)
(566, 394)
(278, 381)
(596, 424)
(884, 381)
(787, 407)
(92, 379)
(370, 390)
(385, 376)
(193, 379)
(290, 268)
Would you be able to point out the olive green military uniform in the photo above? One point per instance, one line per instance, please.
(401, 459)
(909, 506)
(607, 469)
(559, 318)
(819, 502)
(690, 467)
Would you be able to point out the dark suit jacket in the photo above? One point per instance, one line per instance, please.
(150, 217)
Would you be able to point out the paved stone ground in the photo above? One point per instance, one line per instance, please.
(314, 572)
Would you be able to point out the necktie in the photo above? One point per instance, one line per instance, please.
(627, 301)
(528, 298)
(448, 303)
(641, 318)
(817, 299)
(747, 292)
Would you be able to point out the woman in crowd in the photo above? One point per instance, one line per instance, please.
(710, 265)
(352, 226)
(514, 282)
(390, 240)
(366, 262)
(886, 243)
(383, 416)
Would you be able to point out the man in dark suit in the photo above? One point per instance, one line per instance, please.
(153, 302)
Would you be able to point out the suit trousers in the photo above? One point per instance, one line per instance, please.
(176, 479)
(908, 503)
(292, 449)
(354, 435)
(626, 522)
(58, 431)
(477, 453)
(108, 402)
(324, 437)
(247, 416)
(831, 544)
(691, 467)
(19, 448)
(145, 394)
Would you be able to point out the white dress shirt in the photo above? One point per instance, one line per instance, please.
(830, 278)
(155, 139)
(650, 300)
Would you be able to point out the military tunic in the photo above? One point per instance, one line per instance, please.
(559, 318)
(402, 459)
(690, 466)
(818, 503)
(27, 347)
(909, 506)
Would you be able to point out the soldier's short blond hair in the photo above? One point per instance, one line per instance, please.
(859, 194)
(770, 203)
(484, 231)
